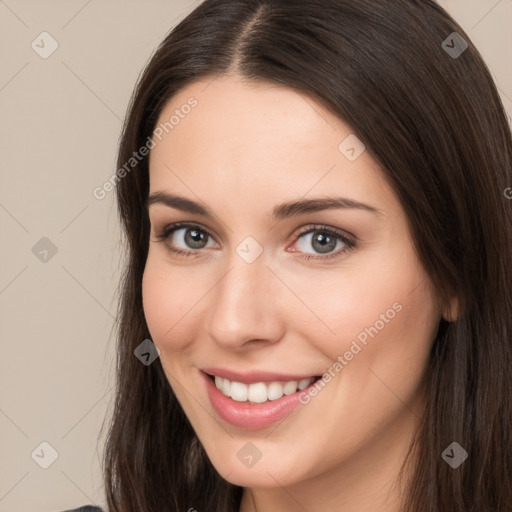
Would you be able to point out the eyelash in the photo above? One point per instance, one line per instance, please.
(167, 231)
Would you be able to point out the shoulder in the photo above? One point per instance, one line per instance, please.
(86, 508)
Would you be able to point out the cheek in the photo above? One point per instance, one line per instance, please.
(384, 335)
(168, 304)
(379, 315)
(388, 295)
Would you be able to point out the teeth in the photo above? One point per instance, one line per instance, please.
(275, 391)
(304, 383)
(260, 392)
(237, 390)
(290, 387)
(226, 388)
(257, 392)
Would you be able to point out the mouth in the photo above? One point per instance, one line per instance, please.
(255, 404)
(260, 392)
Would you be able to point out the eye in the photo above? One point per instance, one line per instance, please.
(323, 240)
(184, 239)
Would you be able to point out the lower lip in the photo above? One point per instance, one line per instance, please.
(251, 416)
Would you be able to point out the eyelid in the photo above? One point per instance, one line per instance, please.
(174, 226)
(347, 238)
(302, 231)
(329, 229)
(167, 230)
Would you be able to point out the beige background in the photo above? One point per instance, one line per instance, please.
(59, 127)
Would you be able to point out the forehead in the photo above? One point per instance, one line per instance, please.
(248, 140)
(250, 114)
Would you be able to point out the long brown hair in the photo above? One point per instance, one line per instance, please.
(429, 113)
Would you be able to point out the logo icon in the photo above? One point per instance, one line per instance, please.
(454, 455)
(351, 147)
(249, 249)
(455, 45)
(44, 45)
(44, 250)
(146, 352)
(249, 455)
(44, 455)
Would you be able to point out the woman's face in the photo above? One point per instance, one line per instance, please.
(255, 166)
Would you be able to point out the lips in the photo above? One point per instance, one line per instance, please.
(254, 376)
(247, 414)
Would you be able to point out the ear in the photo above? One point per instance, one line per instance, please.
(451, 310)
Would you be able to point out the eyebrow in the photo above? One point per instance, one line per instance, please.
(280, 212)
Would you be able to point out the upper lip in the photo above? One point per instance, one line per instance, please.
(253, 376)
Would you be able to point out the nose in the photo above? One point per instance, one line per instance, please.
(246, 307)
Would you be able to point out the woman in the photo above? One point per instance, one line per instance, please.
(318, 291)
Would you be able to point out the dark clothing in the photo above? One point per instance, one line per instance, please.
(86, 508)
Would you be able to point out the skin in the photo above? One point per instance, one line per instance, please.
(243, 150)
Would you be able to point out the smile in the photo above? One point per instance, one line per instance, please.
(262, 400)
(260, 392)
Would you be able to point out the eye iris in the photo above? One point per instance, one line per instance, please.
(195, 238)
(322, 242)
(327, 243)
